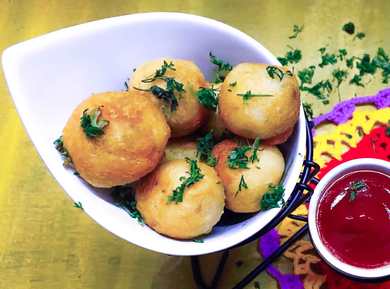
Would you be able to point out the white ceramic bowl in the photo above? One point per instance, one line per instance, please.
(330, 177)
(49, 75)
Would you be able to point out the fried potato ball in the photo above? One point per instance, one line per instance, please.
(244, 188)
(180, 149)
(259, 105)
(201, 208)
(132, 144)
(189, 114)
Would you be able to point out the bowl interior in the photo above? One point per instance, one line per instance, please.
(330, 177)
(49, 75)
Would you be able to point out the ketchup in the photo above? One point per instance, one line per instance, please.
(353, 219)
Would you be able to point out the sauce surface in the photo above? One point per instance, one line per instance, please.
(354, 219)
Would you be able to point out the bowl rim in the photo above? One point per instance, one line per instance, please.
(12, 55)
(327, 255)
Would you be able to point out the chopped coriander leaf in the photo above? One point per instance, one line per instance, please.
(327, 59)
(204, 146)
(124, 198)
(255, 148)
(59, 146)
(306, 75)
(237, 158)
(308, 109)
(208, 97)
(365, 65)
(274, 71)
(321, 90)
(322, 50)
(356, 187)
(241, 185)
(359, 35)
(381, 60)
(342, 53)
(273, 198)
(78, 205)
(160, 72)
(195, 176)
(292, 56)
(91, 124)
(233, 84)
(339, 75)
(349, 28)
(350, 61)
(222, 68)
(248, 95)
(356, 80)
(296, 30)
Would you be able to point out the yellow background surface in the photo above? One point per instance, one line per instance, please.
(45, 243)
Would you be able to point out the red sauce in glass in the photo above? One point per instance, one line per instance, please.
(354, 219)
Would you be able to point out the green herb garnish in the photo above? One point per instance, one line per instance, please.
(327, 59)
(208, 97)
(273, 198)
(359, 35)
(124, 198)
(320, 90)
(204, 146)
(160, 73)
(237, 158)
(339, 75)
(78, 205)
(59, 146)
(308, 109)
(233, 84)
(306, 75)
(356, 80)
(255, 148)
(91, 124)
(195, 176)
(349, 28)
(172, 86)
(292, 56)
(274, 71)
(248, 95)
(241, 185)
(296, 30)
(342, 53)
(356, 187)
(222, 69)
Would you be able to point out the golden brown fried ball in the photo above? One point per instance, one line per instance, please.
(200, 210)
(259, 116)
(132, 144)
(267, 170)
(189, 114)
(180, 149)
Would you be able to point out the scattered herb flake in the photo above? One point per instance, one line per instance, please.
(159, 73)
(241, 185)
(273, 198)
(306, 75)
(204, 146)
(274, 71)
(296, 30)
(248, 95)
(327, 59)
(292, 56)
(308, 109)
(208, 97)
(233, 84)
(124, 198)
(339, 75)
(59, 146)
(195, 176)
(198, 240)
(78, 205)
(222, 68)
(349, 28)
(359, 35)
(237, 158)
(255, 148)
(356, 187)
(356, 80)
(91, 124)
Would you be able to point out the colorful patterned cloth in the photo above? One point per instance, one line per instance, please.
(358, 134)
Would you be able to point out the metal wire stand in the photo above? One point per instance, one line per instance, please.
(301, 194)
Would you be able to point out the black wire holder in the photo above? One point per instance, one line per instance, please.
(301, 194)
